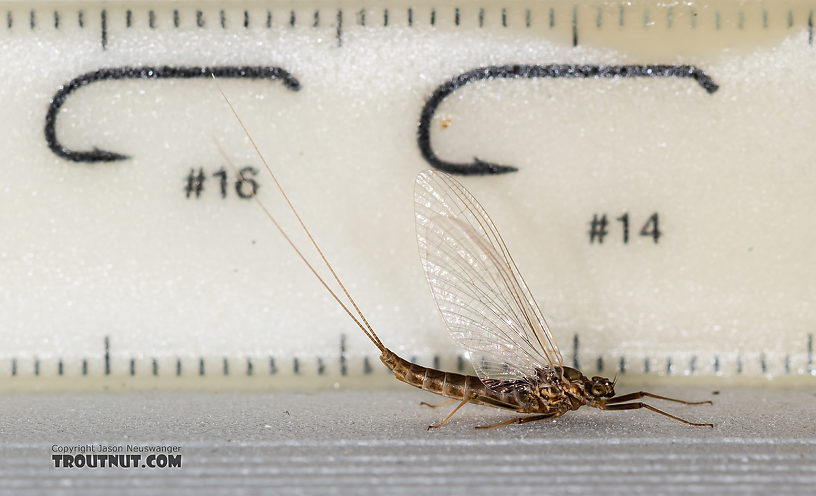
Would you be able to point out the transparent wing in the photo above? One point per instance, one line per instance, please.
(480, 292)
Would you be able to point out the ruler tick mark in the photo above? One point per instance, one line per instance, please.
(321, 367)
(552, 18)
(32, 19)
(178, 367)
(339, 33)
(155, 367)
(669, 366)
(223, 17)
(151, 19)
(316, 21)
(481, 18)
(621, 17)
(226, 366)
(456, 16)
(103, 21)
(741, 20)
(717, 20)
(716, 364)
(36, 366)
(84, 366)
(599, 363)
(56, 19)
(107, 356)
(132, 367)
(810, 365)
(128, 19)
(646, 18)
(763, 363)
(669, 17)
(249, 367)
(433, 17)
(366, 366)
(504, 18)
(575, 26)
(575, 351)
(599, 18)
(622, 365)
(59, 367)
(246, 19)
(436, 361)
(296, 366)
(292, 18)
(268, 19)
(810, 28)
(528, 18)
(343, 367)
(176, 18)
(361, 17)
(460, 363)
(410, 16)
(385, 18)
(787, 364)
(13, 367)
(273, 369)
(693, 365)
(790, 19)
(199, 18)
(765, 19)
(646, 365)
(201, 366)
(693, 17)
(739, 364)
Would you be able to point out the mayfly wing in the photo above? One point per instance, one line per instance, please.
(483, 299)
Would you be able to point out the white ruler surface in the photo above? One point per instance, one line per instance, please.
(651, 166)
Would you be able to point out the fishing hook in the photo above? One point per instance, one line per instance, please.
(481, 167)
(146, 72)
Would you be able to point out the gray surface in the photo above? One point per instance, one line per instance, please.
(352, 442)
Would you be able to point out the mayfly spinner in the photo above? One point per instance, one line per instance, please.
(489, 311)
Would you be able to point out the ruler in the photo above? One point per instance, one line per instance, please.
(650, 165)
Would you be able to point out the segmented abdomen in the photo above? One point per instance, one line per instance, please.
(449, 384)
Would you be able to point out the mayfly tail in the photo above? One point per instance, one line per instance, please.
(362, 323)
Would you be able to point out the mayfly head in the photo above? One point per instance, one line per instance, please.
(601, 387)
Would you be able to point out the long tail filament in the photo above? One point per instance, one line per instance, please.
(361, 322)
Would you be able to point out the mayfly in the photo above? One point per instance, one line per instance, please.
(488, 309)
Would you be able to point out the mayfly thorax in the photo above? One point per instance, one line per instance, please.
(488, 309)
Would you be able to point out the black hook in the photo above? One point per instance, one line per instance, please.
(480, 167)
(162, 72)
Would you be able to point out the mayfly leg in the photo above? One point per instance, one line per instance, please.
(460, 405)
(638, 405)
(519, 420)
(641, 394)
(446, 402)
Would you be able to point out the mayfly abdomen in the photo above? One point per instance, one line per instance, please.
(448, 384)
(434, 381)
